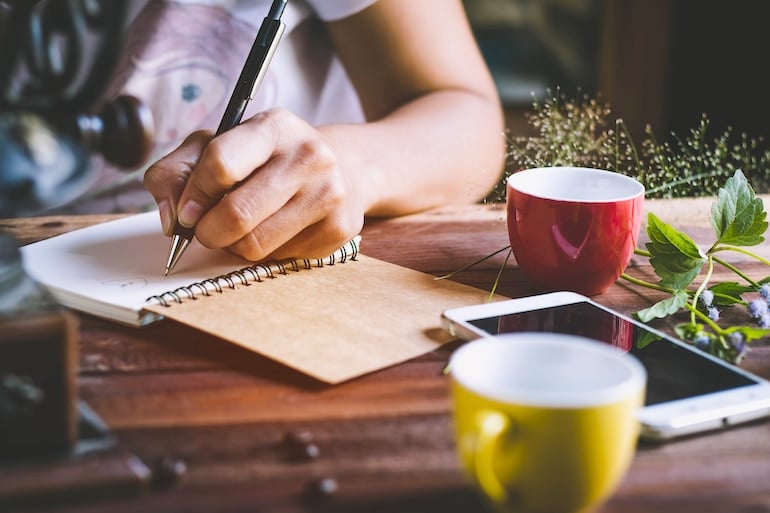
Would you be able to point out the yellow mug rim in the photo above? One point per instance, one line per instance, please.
(465, 370)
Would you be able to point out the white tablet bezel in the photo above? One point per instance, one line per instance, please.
(661, 421)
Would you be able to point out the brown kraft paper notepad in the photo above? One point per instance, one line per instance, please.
(334, 319)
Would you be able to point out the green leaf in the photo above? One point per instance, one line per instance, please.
(728, 293)
(726, 352)
(646, 339)
(688, 331)
(664, 308)
(676, 258)
(749, 332)
(738, 217)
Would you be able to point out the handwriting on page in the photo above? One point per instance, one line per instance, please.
(127, 283)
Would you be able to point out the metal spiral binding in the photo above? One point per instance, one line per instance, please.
(255, 273)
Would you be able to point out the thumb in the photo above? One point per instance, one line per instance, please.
(165, 180)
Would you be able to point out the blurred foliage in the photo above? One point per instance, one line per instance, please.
(580, 131)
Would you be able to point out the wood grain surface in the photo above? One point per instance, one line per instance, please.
(225, 430)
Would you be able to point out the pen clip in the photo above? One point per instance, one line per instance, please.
(268, 58)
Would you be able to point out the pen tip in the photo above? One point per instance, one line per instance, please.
(178, 246)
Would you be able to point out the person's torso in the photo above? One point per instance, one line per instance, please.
(182, 58)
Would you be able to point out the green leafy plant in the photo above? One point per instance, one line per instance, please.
(579, 132)
(739, 220)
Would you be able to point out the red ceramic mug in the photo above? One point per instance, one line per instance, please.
(573, 228)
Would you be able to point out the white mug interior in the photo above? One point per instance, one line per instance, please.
(575, 184)
(547, 369)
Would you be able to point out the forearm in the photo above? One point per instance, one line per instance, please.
(424, 154)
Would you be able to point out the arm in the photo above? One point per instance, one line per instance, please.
(436, 131)
(434, 136)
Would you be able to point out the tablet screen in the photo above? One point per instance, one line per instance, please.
(674, 371)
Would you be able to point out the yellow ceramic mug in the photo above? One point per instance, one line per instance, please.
(545, 422)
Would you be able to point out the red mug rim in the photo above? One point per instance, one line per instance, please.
(522, 182)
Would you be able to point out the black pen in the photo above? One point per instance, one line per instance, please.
(251, 77)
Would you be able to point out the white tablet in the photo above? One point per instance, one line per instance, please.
(688, 390)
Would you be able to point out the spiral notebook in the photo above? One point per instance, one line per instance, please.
(333, 318)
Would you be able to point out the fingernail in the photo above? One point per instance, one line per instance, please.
(166, 216)
(190, 213)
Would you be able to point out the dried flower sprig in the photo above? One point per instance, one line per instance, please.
(580, 132)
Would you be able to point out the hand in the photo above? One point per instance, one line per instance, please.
(270, 187)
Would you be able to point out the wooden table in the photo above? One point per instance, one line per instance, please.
(249, 435)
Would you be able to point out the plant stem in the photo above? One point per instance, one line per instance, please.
(647, 284)
(735, 270)
(468, 266)
(674, 183)
(730, 298)
(499, 273)
(632, 146)
(727, 247)
(714, 326)
(709, 272)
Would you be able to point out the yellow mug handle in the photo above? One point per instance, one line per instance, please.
(491, 426)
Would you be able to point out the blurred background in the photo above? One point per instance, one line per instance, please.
(657, 62)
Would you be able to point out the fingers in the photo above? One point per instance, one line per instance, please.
(166, 179)
(287, 180)
(269, 188)
(225, 162)
(315, 241)
(283, 212)
(302, 179)
(310, 225)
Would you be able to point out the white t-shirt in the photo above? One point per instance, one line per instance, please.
(181, 59)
